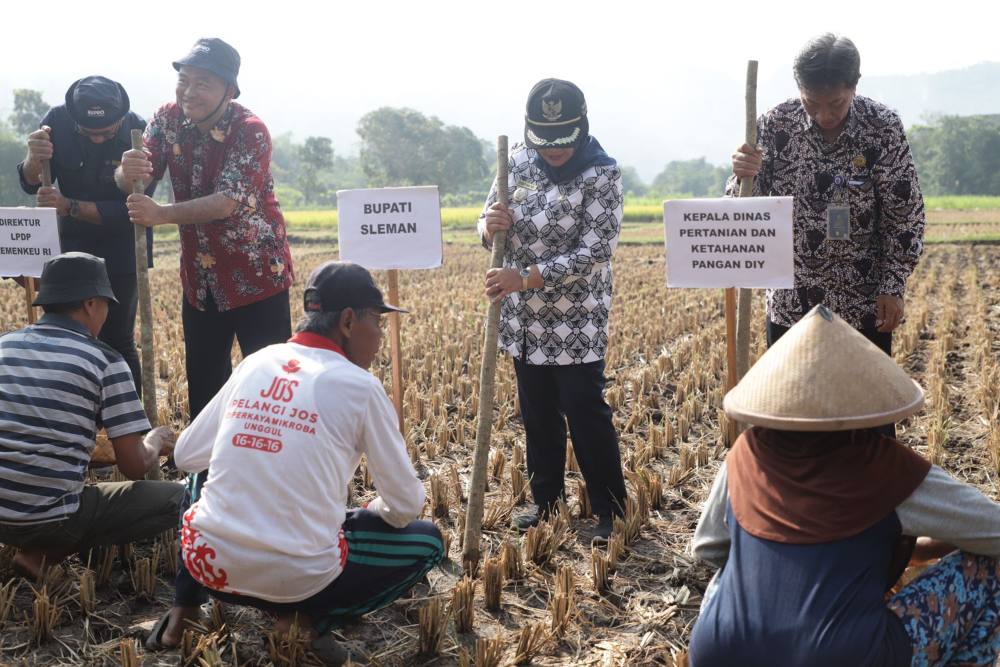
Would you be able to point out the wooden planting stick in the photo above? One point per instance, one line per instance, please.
(395, 350)
(745, 296)
(487, 379)
(29, 298)
(148, 358)
(29, 281)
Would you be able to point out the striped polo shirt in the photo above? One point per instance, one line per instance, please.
(58, 385)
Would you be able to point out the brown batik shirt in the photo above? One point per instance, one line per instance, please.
(870, 168)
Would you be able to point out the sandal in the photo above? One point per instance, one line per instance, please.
(154, 643)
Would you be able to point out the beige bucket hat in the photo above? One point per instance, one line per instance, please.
(823, 375)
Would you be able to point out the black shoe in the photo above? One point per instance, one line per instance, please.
(532, 518)
(605, 526)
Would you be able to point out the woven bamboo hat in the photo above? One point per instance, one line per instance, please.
(823, 375)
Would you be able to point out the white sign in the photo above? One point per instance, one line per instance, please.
(391, 228)
(29, 237)
(729, 242)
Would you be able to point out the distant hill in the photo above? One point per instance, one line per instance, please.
(963, 92)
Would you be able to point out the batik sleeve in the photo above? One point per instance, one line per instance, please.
(902, 211)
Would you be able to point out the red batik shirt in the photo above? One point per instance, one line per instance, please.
(245, 257)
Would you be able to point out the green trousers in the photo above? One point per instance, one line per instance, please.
(109, 513)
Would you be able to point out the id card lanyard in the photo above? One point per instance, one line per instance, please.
(838, 212)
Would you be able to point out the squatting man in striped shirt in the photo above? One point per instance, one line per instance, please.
(281, 441)
(58, 385)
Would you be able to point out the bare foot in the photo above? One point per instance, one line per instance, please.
(172, 634)
(34, 563)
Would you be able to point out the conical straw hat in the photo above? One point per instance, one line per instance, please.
(823, 375)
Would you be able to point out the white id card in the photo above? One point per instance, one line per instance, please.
(838, 222)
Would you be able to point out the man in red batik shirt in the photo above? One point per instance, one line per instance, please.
(236, 267)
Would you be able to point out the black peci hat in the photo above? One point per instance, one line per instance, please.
(71, 277)
(556, 115)
(96, 102)
(216, 56)
(338, 285)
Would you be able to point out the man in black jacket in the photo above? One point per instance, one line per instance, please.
(83, 140)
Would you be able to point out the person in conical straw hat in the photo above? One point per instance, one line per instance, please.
(814, 515)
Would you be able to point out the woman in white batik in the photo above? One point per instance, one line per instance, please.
(564, 218)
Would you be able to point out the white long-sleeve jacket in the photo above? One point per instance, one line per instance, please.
(281, 441)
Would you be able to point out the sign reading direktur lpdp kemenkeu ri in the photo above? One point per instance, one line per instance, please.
(729, 242)
(29, 237)
(391, 228)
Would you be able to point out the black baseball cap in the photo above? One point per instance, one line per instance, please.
(71, 277)
(96, 102)
(338, 285)
(556, 115)
(216, 56)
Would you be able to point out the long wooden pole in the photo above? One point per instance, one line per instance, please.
(731, 379)
(487, 379)
(395, 350)
(148, 356)
(29, 298)
(29, 281)
(745, 296)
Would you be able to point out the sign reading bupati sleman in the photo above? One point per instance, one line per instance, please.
(729, 242)
(391, 228)
(29, 237)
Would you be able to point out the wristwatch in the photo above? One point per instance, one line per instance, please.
(525, 273)
(74, 208)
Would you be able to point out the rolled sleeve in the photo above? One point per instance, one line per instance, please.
(601, 225)
(902, 211)
(244, 176)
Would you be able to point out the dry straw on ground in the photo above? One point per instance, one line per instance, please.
(631, 603)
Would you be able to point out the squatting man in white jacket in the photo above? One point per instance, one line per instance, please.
(282, 441)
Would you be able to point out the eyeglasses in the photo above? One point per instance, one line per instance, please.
(377, 318)
(107, 133)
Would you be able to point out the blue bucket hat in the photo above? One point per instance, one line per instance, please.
(214, 55)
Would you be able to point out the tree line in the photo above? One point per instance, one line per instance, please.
(399, 146)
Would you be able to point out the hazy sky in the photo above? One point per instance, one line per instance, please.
(663, 80)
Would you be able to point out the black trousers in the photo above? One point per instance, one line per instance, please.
(882, 340)
(208, 344)
(119, 329)
(208, 341)
(382, 564)
(551, 397)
